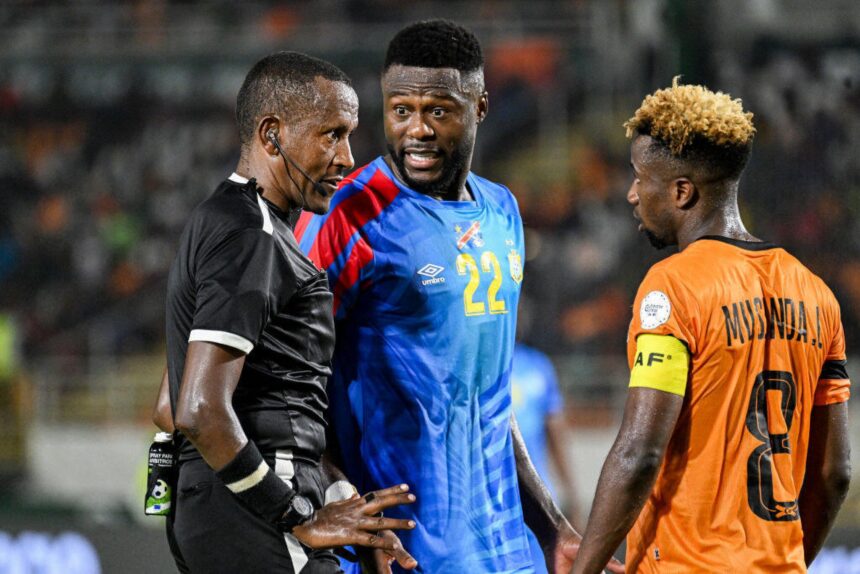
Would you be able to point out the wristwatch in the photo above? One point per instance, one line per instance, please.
(299, 511)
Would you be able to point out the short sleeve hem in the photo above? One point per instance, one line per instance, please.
(222, 338)
(831, 392)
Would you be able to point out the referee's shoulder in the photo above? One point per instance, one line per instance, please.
(229, 208)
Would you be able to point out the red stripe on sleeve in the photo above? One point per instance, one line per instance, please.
(360, 256)
(305, 217)
(351, 215)
(302, 224)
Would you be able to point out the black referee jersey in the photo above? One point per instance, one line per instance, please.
(240, 279)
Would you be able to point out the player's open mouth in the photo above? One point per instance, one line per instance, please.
(421, 159)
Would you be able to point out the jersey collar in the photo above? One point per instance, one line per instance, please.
(748, 245)
(477, 203)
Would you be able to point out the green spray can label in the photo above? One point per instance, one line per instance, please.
(161, 473)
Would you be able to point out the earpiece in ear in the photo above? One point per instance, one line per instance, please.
(272, 134)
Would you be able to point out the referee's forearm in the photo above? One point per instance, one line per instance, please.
(214, 431)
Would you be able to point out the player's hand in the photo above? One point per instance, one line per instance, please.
(375, 561)
(352, 522)
(559, 560)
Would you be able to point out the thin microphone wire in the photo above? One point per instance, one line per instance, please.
(286, 159)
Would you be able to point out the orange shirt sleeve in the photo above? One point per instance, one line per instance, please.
(662, 307)
(833, 383)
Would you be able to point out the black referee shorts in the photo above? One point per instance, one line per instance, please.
(211, 532)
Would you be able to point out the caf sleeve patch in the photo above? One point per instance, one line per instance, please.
(654, 310)
(662, 363)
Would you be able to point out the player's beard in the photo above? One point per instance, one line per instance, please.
(657, 241)
(443, 186)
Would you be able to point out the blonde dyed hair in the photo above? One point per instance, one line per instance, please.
(682, 114)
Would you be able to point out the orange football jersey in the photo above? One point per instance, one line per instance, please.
(766, 345)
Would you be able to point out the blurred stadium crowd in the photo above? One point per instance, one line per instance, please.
(105, 151)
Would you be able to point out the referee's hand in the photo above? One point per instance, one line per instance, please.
(357, 522)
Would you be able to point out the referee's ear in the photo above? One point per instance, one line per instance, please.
(270, 126)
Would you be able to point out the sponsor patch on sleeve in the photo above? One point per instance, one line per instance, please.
(654, 310)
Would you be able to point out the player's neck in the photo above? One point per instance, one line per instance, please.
(457, 191)
(722, 222)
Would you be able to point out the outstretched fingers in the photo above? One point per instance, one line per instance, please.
(381, 499)
(380, 523)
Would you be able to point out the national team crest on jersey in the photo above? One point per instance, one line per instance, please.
(516, 264)
(472, 233)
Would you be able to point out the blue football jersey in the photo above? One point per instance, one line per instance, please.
(535, 393)
(426, 295)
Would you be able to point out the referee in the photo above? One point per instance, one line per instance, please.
(250, 336)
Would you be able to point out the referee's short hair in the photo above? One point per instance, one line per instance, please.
(281, 83)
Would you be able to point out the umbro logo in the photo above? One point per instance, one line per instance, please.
(431, 271)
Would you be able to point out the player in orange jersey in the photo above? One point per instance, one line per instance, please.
(733, 452)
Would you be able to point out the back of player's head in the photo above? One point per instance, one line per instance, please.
(281, 83)
(435, 44)
(708, 132)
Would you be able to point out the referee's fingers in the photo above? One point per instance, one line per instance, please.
(382, 502)
(386, 491)
(380, 523)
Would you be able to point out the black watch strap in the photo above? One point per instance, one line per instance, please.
(299, 510)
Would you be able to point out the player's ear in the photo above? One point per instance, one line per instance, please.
(483, 106)
(684, 192)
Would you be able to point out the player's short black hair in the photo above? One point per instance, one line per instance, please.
(281, 83)
(703, 159)
(435, 44)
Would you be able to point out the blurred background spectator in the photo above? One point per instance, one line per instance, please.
(116, 118)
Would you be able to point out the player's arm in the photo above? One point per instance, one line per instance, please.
(828, 473)
(162, 415)
(555, 431)
(557, 537)
(650, 414)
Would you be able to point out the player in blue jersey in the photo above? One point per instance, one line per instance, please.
(538, 405)
(425, 260)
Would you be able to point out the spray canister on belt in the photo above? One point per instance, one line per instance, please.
(160, 481)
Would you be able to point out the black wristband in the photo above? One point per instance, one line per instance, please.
(256, 484)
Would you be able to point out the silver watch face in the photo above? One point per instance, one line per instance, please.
(302, 505)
